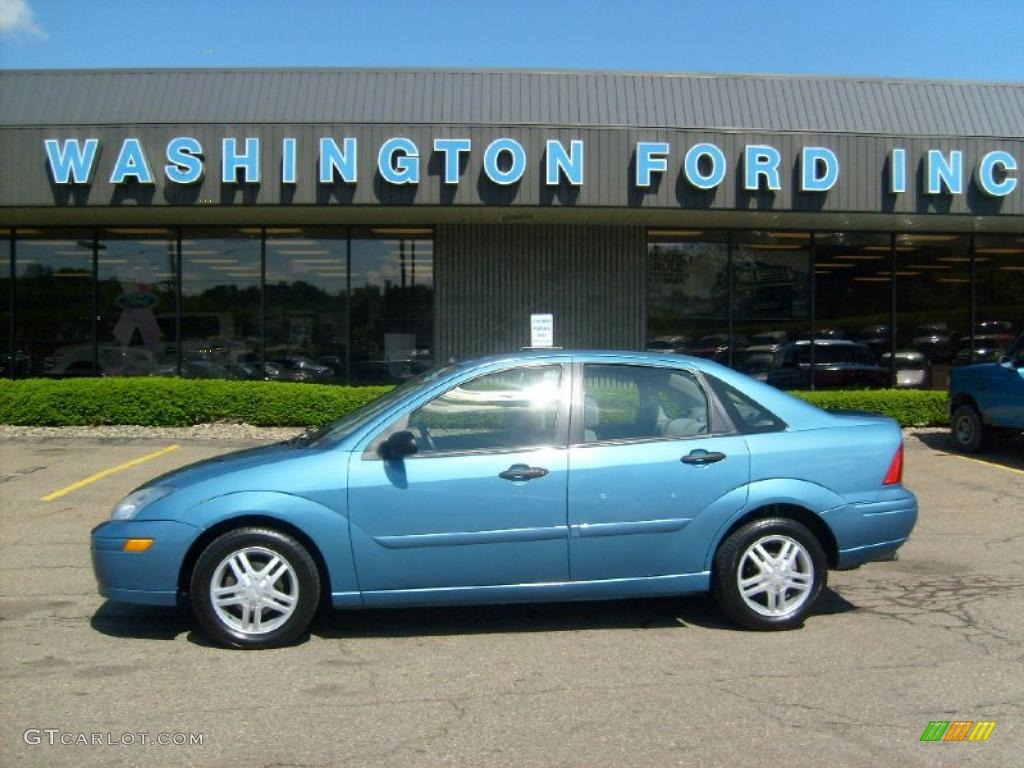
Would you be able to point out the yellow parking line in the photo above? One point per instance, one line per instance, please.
(986, 463)
(107, 472)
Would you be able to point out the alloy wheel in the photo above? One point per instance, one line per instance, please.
(775, 576)
(254, 590)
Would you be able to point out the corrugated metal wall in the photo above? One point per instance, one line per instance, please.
(666, 100)
(490, 278)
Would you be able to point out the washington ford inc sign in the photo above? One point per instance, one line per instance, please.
(399, 162)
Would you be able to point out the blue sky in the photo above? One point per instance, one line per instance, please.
(950, 39)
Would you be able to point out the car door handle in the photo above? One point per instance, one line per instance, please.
(522, 472)
(701, 457)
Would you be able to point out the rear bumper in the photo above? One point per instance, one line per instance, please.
(143, 578)
(873, 530)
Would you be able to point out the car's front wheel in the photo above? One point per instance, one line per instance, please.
(769, 573)
(255, 588)
(968, 430)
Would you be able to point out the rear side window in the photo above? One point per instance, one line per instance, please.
(747, 415)
(630, 402)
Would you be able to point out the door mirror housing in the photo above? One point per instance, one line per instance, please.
(399, 445)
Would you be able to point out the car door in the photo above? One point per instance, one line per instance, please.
(482, 502)
(1001, 390)
(650, 457)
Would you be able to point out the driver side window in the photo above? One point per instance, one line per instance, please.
(500, 411)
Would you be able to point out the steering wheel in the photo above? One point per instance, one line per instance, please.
(425, 438)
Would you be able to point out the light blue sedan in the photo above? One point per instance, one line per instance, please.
(532, 476)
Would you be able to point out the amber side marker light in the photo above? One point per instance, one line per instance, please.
(137, 545)
(895, 474)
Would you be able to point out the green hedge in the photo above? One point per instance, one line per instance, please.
(160, 402)
(181, 402)
(910, 407)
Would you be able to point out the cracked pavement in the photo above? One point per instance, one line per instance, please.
(937, 635)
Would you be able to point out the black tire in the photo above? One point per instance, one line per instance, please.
(732, 555)
(265, 551)
(968, 431)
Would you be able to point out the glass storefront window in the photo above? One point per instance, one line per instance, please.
(307, 304)
(853, 307)
(933, 300)
(136, 301)
(392, 305)
(772, 306)
(53, 333)
(8, 362)
(999, 293)
(687, 293)
(220, 304)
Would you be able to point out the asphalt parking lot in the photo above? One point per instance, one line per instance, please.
(937, 635)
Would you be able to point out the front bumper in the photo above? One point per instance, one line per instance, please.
(873, 530)
(146, 578)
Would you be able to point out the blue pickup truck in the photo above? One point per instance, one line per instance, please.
(987, 398)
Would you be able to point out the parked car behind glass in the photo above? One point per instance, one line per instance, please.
(840, 364)
(774, 364)
(913, 371)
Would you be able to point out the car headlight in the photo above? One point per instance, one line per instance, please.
(134, 502)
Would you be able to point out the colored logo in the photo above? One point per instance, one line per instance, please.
(958, 730)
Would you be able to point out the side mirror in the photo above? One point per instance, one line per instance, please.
(399, 445)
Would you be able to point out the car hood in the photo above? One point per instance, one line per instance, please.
(314, 472)
(229, 463)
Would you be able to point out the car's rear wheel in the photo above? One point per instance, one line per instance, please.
(769, 573)
(255, 588)
(968, 431)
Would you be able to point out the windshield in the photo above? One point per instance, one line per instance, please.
(361, 415)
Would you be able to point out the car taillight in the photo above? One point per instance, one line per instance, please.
(895, 474)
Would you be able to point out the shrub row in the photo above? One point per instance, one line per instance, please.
(182, 402)
(159, 402)
(910, 407)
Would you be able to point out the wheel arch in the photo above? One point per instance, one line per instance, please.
(962, 398)
(806, 517)
(246, 521)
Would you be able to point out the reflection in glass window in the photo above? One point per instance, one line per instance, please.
(220, 304)
(623, 402)
(687, 293)
(933, 299)
(307, 304)
(136, 301)
(497, 412)
(392, 307)
(771, 286)
(853, 281)
(53, 331)
(8, 361)
(999, 267)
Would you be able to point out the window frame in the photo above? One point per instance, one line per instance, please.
(400, 421)
(719, 423)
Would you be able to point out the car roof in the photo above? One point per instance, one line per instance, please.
(581, 355)
(831, 343)
(762, 348)
(790, 409)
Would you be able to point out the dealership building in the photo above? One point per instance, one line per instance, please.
(358, 224)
